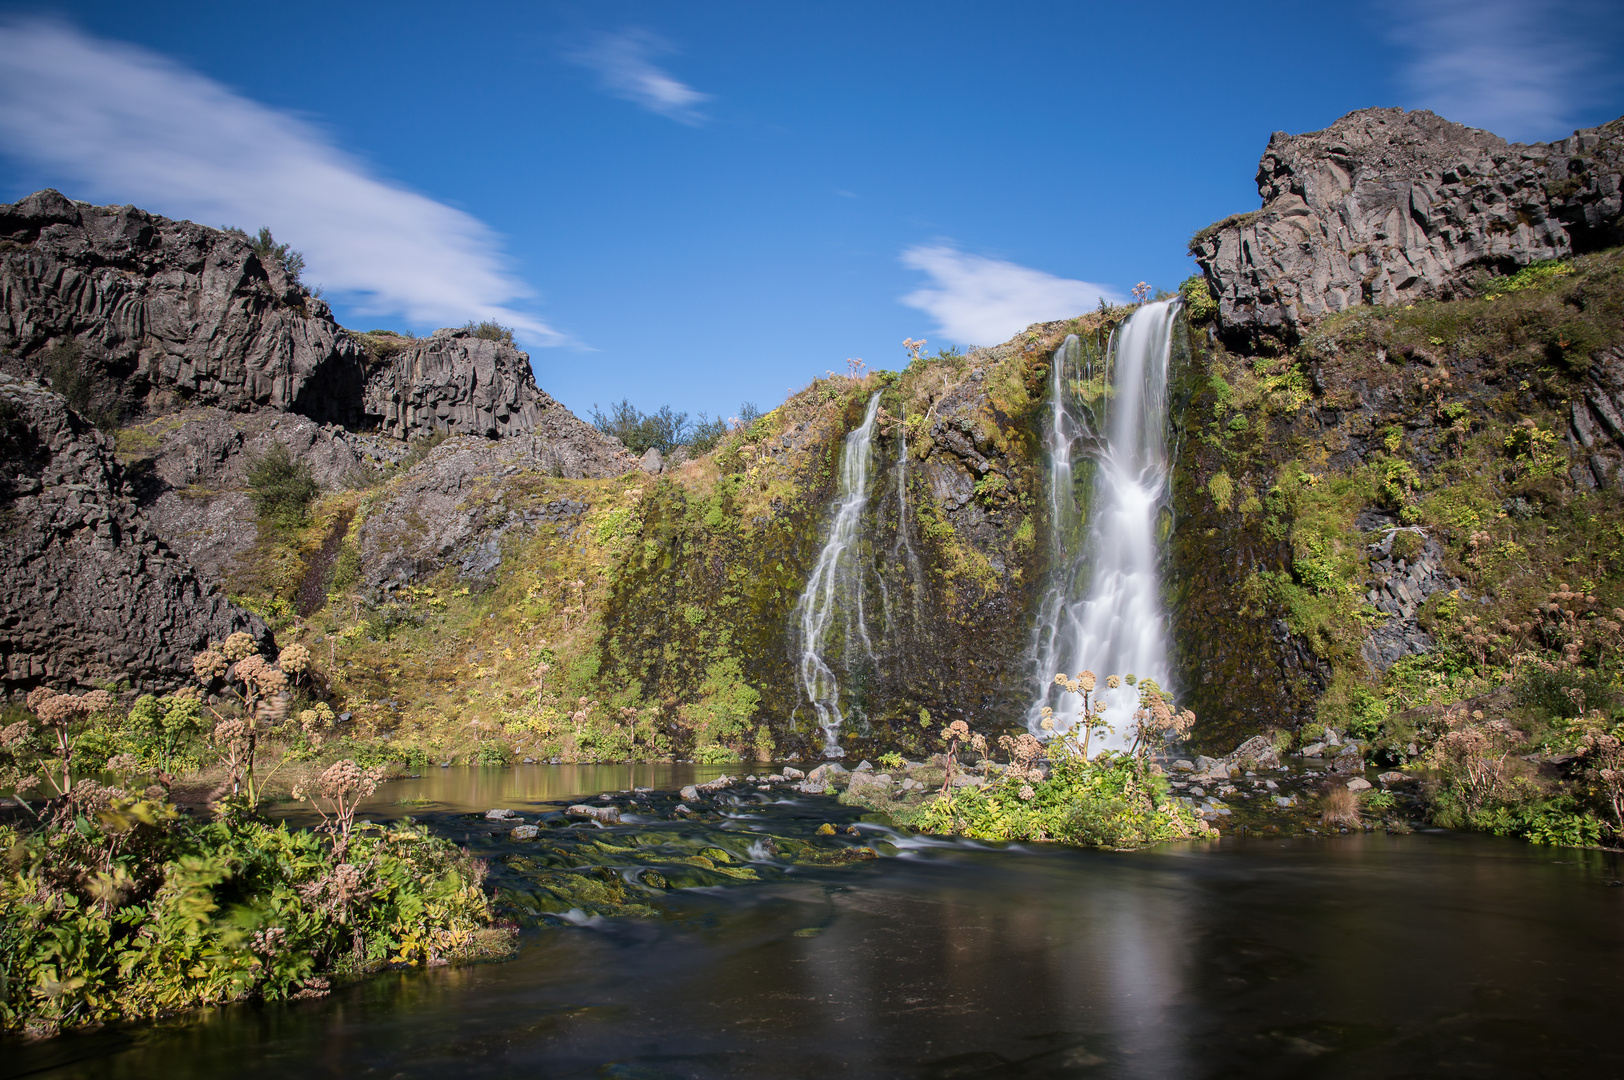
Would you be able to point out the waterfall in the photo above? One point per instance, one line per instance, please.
(829, 616)
(1102, 610)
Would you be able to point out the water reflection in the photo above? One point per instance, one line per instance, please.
(1431, 955)
(470, 788)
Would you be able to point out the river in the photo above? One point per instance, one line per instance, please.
(1432, 954)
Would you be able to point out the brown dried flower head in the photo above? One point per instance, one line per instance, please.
(239, 645)
(294, 660)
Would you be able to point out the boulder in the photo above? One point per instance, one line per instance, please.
(1392, 207)
(690, 793)
(603, 815)
(828, 774)
(791, 773)
(525, 832)
(1255, 753)
(650, 462)
(499, 814)
(1358, 784)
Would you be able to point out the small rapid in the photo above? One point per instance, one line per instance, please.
(1102, 608)
(829, 624)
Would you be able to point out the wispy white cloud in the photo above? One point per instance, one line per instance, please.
(981, 301)
(624, 68)
(112, 122)
(1521, 70)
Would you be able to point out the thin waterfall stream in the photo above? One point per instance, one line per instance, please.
(1102, 610)
(829, 621)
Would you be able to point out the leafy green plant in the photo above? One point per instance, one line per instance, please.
(122, 909)
(1199, 305)
(281, 486)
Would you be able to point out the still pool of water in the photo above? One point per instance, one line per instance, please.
(1426, 955)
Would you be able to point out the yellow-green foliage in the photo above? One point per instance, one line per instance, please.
(721, 719)
(1109, 802)
(131, 912)
(1222, 490)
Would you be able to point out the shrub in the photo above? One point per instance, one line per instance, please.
(291, 262)
(664, 429)
(281, 486)
(490, 330)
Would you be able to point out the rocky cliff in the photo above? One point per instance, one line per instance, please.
(459, 382)
(89, 594)
(1391, 207)
(168, 313)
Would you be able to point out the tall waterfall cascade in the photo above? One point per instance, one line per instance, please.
(1102, 609)
(830, 625)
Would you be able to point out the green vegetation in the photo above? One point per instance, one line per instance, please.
(490, 330)
(282, 487)
(270, 253)
(118, 908)
(71, 375)
(1199, 306)
(1450, 421)
(1057, 791)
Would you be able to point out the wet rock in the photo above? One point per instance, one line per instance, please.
(1182, 765)
(713, 786)
(499, 814)
(1312, 750)
(525, 832)
(603, 815)
(689, 793)
(1284, 801)
(829, 774)
(1392, 777)
(1351, 759)
(791, 773)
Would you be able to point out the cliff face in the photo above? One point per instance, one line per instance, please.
(88, 592)
(170, 312)
(457, 382)
(1390, 207)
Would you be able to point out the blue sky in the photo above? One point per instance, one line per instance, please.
(707, 203)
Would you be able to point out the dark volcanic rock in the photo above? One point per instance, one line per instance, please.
(170, 311)
(443, 510)
(190, 473)
(90, 593)
(1390, 207)
(456, 382)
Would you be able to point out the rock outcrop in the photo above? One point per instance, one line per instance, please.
(450, 507)
(1390, 207)
(189, 471)
(88, 593)
(168, 312)
(458, 382)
